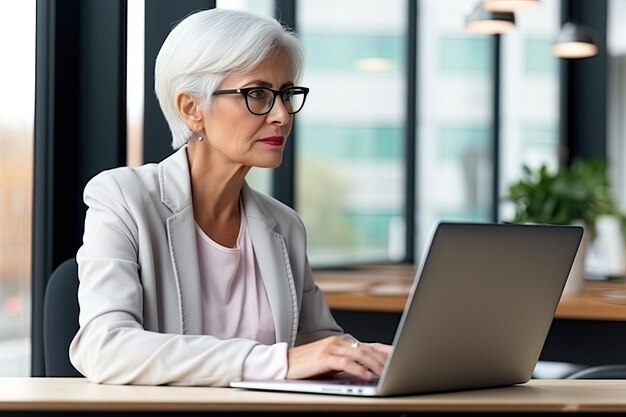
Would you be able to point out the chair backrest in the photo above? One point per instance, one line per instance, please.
(60, 319)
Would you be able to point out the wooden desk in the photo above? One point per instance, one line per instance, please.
(385, 289)
(75, 395)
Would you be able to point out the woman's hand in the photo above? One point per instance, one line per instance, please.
(336, 354)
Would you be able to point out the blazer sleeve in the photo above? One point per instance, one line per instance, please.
(111, 345)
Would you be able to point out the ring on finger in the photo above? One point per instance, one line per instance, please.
(354, 343)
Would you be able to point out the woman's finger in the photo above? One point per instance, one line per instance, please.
(336, 354)
(366, 355)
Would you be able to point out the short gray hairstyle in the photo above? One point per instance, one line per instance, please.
(208, 46)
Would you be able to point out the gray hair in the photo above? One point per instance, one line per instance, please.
(209, 45)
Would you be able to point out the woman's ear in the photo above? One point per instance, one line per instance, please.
(189, 109)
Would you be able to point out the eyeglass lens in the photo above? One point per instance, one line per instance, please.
(261, 100)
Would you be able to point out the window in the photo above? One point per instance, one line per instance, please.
(350, 141)
(334, 51)
(529, 96)
(350, 169)
(17, 46)
(135, 81)
(465, 55)
(455, 165)
(457, 161)
(538, 57)
(262, 7)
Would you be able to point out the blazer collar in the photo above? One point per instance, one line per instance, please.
(174, 180)
(255, 210)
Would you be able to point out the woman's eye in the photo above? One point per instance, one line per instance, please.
(257, 94)
(288, 95)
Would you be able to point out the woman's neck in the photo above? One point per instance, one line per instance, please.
(216, 189)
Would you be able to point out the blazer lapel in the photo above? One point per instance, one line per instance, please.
(184, 255)
(176, 195)
(271, 255)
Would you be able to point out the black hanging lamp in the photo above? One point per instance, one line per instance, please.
(488, 22)
(575, 41)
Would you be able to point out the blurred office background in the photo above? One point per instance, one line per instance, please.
(411, 119)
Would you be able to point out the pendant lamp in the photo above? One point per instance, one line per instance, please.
(488, 22)
(575, 41)
(509, 5)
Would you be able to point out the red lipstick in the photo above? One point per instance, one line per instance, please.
(273, 140)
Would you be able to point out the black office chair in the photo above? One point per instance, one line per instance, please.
(60, 319)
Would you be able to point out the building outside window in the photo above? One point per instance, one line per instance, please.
(455, 75)
(456, 110)
(529, 95)
(350, 169)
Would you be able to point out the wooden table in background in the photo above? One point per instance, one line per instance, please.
(589, 327)
(385, 288)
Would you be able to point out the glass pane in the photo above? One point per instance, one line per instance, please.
(454, 119)
(17, 83)
(258, 178)
(351, 138)
(262, 7)
(464, 56)
(135, 82)
(529, 96)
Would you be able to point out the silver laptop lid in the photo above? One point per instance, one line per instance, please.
(481, 306)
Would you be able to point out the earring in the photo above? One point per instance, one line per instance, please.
(200, 138)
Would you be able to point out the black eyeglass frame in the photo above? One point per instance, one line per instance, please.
(245, 91)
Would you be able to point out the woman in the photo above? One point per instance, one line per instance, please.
(188, 276)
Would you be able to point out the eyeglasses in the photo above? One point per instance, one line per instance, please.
(260, 100)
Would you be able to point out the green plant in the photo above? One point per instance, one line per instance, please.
(579, 192)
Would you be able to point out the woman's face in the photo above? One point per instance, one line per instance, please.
(243, 137)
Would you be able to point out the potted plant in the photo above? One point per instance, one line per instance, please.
(576, 194)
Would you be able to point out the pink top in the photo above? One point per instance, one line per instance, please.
(235, 303)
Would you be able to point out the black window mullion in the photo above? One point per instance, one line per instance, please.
(284, 176)
(584, 83)
(80, 129)
(411, 157)
(160, 18)
(495, 130)
(54, 45)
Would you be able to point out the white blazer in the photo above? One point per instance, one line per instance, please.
(139, 293)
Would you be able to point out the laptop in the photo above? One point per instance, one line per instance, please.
(477, 316)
